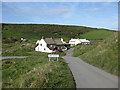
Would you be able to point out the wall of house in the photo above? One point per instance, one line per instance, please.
(74, 42)
(42, 46)
(59, 47)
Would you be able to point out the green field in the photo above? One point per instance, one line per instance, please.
(36, 72)
(97, 34)
(102, 53)
(13, 32)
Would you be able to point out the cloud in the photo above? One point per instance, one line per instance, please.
(95, 9)
(92, 9)
(22, 9)
(57, 10)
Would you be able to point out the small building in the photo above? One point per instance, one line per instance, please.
(48, 45)
(23, 39)
(74, 41)
(59, 44)
(43, 46)
(78, 41)
(63, 41)
(84, 41)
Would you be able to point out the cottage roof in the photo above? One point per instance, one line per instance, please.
(58, 41)
(49, 41)
(84, 40)
(73, 40)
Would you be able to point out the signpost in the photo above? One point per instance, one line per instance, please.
(53, 55)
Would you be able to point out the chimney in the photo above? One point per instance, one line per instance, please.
(42, 37)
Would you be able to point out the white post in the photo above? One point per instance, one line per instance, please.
(49, 58)
(57, 58)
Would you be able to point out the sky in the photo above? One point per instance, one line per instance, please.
(90, 14)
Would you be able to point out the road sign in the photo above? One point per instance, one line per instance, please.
(53, 55)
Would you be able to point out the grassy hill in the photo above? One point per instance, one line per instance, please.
(102, 54)
(97, 34)
(36, 71)
(36, 31)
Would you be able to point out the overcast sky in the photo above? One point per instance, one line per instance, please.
(90, 14)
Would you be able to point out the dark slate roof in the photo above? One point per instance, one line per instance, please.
(58, 41)
(49, 41)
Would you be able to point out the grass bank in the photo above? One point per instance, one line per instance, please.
(36, 71)
(97, 34)
(103, 54)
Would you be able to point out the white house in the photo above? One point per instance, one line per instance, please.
(48, 45)
(79, 41)
(62, 41)
(42, 46)
(23, 39)
(74, 41)
(84, 41)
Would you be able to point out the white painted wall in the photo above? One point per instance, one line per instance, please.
(78, 41)
(62, 40)
(42, 46)
(84, 41)
(74, 41)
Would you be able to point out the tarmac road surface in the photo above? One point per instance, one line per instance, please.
(9, 57)
(88, 76)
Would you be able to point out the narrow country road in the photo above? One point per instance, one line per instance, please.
(88, 76)
(9, 57)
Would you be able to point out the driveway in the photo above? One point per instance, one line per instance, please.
(88, 76)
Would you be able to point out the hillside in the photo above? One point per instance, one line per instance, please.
(97, 34)
(101, 54)
(36, 31)
(36, 71)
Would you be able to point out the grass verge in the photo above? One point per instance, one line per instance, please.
(102, 54)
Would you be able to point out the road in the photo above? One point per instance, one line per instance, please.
(88, 76)
(9, 57)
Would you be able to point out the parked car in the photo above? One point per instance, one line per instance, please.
(58, 51)
(67, 47)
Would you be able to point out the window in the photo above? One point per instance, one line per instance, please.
(50, 45)
(44, 49)
(40, 44)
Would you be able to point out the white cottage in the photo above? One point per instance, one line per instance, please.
(62, 41)
(42, 46)
(84, 41)
(48, 45)
(79, 41)
(74, 41)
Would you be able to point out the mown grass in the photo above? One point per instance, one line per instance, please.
(103, 55)
(97, 34)
(36, 71)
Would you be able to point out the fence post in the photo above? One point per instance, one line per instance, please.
(49, 58)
